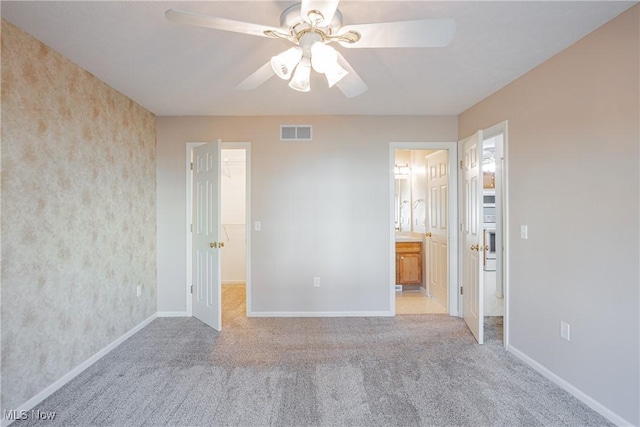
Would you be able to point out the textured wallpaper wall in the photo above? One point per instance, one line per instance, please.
(78, 216)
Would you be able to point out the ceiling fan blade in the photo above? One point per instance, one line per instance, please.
(263, 74)
(326, 7)
(351, 85)
(200, 20)
(418, 33)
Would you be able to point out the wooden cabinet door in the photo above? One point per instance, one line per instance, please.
(410, 269)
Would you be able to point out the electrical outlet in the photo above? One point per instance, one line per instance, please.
(565, 330)
(316, 282)
(138, 290)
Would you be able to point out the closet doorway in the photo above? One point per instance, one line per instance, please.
(232, 269)
(233, 231)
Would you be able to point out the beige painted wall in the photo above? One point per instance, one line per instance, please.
(574, 180)
(324, 207)
(78, 216)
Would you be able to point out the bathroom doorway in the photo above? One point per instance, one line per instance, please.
(424, 203)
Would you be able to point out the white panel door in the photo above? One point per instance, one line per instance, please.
(437, 167)
(207, 293)
(472, 226)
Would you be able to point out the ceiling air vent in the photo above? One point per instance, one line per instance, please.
(295, 133)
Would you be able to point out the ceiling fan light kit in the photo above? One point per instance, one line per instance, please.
(311, 25)
(312, 50)
(300, 79)
(284, 63)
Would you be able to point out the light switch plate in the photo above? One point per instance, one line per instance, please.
(565, 330)
(524, 232)
(257, 226)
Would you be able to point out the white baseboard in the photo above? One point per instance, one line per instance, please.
(29, 404)
(580, 395)
(173, 314)
(319, 314)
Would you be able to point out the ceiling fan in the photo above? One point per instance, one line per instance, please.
(311, 26)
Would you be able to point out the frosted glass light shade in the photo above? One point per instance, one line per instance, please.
(300, 79)
(284, 63)
(322, 57)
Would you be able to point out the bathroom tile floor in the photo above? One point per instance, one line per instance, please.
(417, 302)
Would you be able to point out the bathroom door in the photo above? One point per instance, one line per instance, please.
(437, 167)
(207, 292)
(471, 234)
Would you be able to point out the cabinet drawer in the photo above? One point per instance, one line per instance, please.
(408, 247)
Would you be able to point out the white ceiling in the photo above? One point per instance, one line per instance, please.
(174, 69)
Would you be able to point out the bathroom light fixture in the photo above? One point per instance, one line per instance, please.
(402, 171)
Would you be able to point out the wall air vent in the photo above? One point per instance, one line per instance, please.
(295, 133)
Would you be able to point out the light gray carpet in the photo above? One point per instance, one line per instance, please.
(414, 370)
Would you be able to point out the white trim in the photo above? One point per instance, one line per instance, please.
(320, 314)
(29, 404)
(492, 131)
(452, 273)
(570, 388)
(173, 314)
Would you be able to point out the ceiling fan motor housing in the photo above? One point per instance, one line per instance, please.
(292, 17)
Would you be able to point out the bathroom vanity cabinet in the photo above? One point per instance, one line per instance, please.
(409, 263)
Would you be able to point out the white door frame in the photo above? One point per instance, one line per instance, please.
(452, 256)
(224, 146)
(503, 263)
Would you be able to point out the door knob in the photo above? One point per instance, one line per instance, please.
(428, 234)
(213, 245)
(221, 245)
(474, 247)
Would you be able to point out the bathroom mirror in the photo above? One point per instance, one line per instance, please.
(410, 193)
(402, 203)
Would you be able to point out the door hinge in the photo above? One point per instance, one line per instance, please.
(191, 288)
(460, 164)
(191, 165)
(461, 290)
(191, 227)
